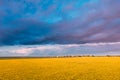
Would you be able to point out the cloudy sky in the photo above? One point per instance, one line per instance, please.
(44, 27)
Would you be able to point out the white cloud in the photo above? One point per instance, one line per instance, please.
(54, 50)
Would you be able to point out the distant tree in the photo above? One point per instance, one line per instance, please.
(108, 55)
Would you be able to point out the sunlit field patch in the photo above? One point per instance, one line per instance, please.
(77, 68)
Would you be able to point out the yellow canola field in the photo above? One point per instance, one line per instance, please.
(77, 68)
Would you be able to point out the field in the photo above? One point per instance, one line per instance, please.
(77, 68)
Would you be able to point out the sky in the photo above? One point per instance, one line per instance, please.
(59, 23)
(97, 49)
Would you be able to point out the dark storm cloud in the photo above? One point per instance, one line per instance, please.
(26, 32)
(59, 21)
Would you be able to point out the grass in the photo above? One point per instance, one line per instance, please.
(77, 68)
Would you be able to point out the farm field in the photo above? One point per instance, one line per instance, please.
(77, 68)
